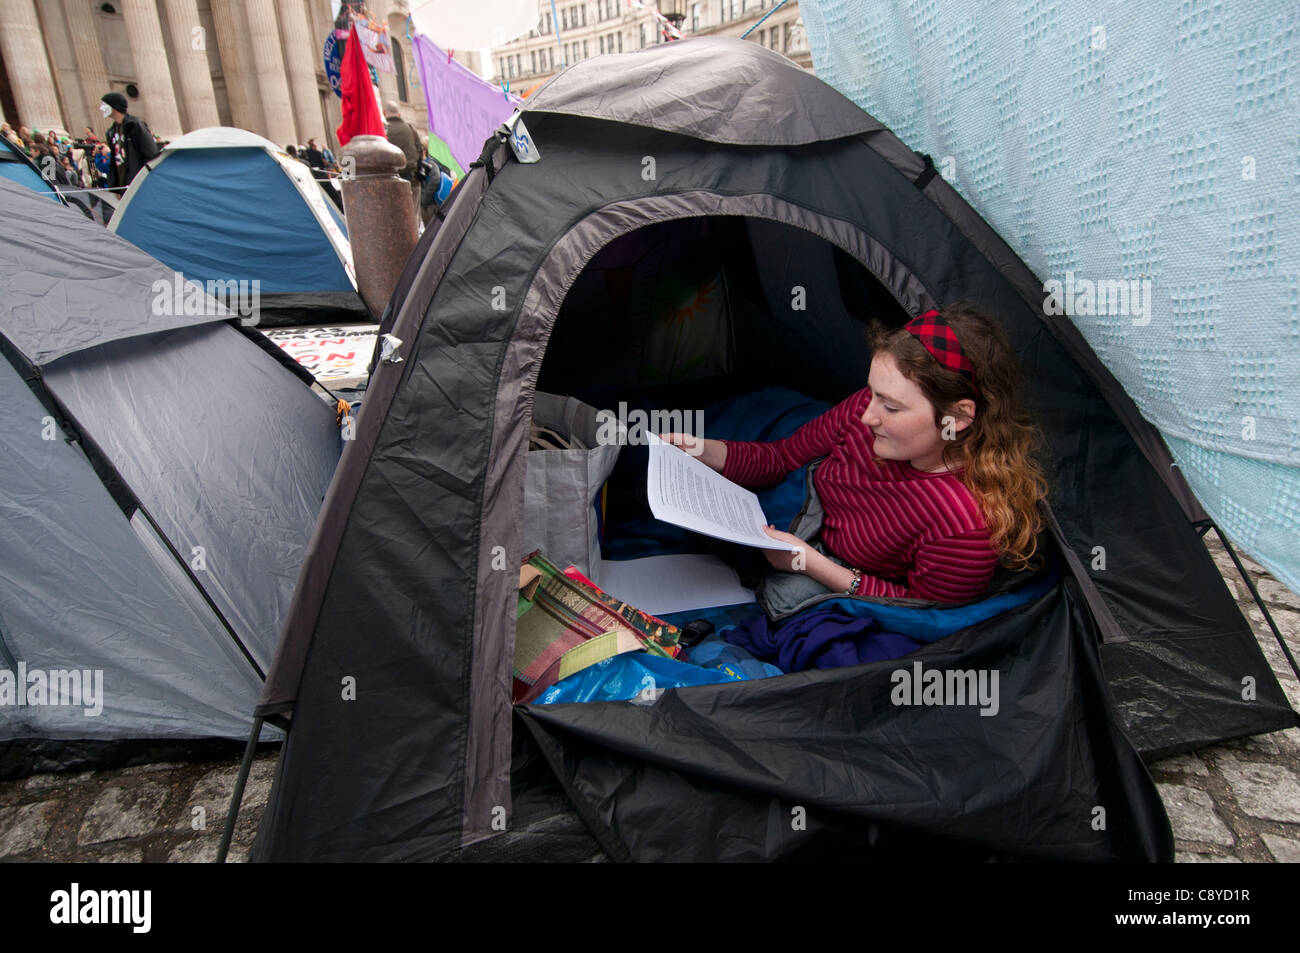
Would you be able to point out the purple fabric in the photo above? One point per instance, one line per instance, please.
(463, 109)
(819, 638)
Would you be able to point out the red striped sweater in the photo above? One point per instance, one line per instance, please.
(913, 534)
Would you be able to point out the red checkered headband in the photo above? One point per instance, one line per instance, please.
(938, 337)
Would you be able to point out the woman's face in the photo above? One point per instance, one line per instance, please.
(902, 418)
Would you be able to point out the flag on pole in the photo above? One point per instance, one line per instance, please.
(374, 40)
(361, 115)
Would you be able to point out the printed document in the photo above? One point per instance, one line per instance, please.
(685, 492)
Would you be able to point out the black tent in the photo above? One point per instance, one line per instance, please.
(160, 472)
(722, 157)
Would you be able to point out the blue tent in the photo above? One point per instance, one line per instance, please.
(223, 204)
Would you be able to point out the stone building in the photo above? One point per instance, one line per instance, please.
(186, 64)
(594, 27)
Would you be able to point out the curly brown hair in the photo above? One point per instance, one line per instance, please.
(1000, 449)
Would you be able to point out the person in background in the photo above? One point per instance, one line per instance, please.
(313, 155)
(102, 162)
(403, 135)
(293, 154)
(129, 140)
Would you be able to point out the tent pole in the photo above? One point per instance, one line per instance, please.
(1268, 617)
(235, 798)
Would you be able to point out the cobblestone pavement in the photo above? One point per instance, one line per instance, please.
(1230, 803)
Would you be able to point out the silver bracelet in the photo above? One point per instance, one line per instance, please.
(857, 581)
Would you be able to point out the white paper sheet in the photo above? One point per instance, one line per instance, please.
(663, 584)
(685, 492)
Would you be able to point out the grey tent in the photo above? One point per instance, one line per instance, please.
(705, 158)
(160, 473)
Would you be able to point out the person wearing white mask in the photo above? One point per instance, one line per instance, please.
(129, 140)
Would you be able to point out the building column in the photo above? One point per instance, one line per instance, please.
(243, 112)
(153, 73)
(298, 43)
(31, 78)
(197, 97)
(80, 18)
(268, 66)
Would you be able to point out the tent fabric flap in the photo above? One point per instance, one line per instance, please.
(59, 299)
(235, 484)
(719, 93)
(827, 764)
(62, 534)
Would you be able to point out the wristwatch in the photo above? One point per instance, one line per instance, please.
(857, 581)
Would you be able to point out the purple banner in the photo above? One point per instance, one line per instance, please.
(464, 110)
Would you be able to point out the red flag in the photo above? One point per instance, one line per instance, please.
(360, 110)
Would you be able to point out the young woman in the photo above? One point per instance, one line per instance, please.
(929, 480)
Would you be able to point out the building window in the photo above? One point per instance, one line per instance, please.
(643, 36)
(564, 19)
(695, 17)
(620, 42)
(585, 54)
(583, 11)
(722, 11)
(400, 69)
(602, 45)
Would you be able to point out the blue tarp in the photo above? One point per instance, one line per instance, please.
(1148, 146)
(222, 214)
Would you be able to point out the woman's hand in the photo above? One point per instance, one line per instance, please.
(788, 561)
(808, 561)
(712, 453)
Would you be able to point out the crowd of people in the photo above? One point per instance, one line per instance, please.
(112, 162)
(90, 162)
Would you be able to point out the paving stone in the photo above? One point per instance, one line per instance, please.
(1192, 815)
(1270, 791)
(137, 769)
(120, 811)
(196, 850)
(1288, 743)
(1275, 593)
(1285, 850)
(127, 855)
(1184, 763)
(25, 827)
(1189, 857)
(1284, 744)
(43, 782)
(46, 782)
(203, 850)
(212, 792)
(1287, 621)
